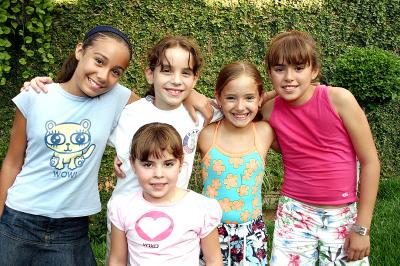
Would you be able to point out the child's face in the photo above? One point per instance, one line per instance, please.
(174, 79)
(293, 82)
(158, 177)
(239, 101)
(100, 66)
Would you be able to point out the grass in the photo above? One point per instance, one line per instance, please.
(385, 231)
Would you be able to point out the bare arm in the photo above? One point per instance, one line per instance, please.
(14, 159)
(360, 134)
(211, 249)
(119, 247)
(205, 139)
(266, 110)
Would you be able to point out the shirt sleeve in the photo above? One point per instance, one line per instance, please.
(23, 100)
(212, 216)
(116, 214)
(121, 97)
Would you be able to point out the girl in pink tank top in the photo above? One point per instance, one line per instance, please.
(320, 130)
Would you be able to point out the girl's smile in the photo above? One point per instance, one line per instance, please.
(240, 101)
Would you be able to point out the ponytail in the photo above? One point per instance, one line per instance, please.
(67, 69)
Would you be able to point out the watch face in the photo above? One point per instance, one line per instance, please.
(359, 229)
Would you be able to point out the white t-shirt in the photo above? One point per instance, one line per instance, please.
(143, 112)
(164, 234)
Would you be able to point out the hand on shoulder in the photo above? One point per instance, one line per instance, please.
(266, 109)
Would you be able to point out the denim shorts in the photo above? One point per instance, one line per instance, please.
(27, 239)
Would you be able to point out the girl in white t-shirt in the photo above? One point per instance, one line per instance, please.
(162, 224)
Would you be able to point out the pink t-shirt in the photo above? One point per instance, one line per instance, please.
(318, 156)
(165, 234)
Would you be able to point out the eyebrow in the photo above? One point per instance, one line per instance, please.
(106, 58)
(164, 65)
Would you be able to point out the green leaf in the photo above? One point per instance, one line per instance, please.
(40, 11)
(5, 30)
(16, 9)
(26, 74)
(4, 4)
(6, 69)
(22, 61)
(28, 39)
(3, 81)
(3, 18)
(5, 43)
(29, 10)
(30, 53)
(47, 22)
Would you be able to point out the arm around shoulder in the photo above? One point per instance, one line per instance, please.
(266, 109)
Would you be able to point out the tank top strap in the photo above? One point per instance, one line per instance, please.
(215, 133)
(254, 133)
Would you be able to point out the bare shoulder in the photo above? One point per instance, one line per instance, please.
(340, 95)
(265, 135)
(206, 138)
(263, 128)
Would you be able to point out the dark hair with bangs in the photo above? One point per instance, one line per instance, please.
(235, 70)
(293, 47)
(155, 138)
(156, 55)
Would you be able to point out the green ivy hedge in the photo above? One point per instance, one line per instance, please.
(225, 30)
(25, 39)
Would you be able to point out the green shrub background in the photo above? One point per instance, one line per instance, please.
(226, 31)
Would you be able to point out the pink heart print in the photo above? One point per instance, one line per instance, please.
(154, 226)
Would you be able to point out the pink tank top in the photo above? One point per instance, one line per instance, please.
(318, 156)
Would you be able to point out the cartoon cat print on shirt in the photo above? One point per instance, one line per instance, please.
(70, 143)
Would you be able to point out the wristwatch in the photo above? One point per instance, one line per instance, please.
(361, 230)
